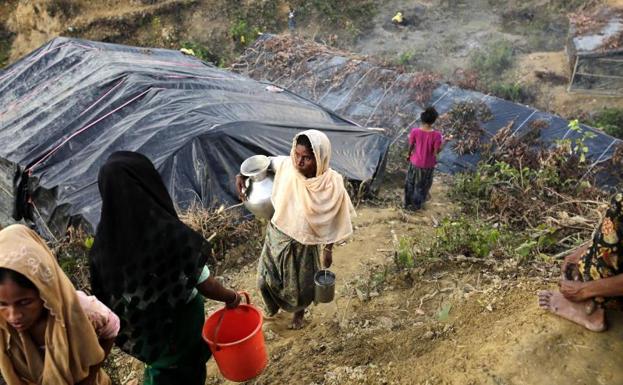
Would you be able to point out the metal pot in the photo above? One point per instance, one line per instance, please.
(324, 286)
(258, 186)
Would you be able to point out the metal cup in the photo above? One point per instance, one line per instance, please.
(324, 286)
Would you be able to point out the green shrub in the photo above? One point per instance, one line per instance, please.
(406, 58)
(348, 18)
(202, 52)
(63, 8)
(610, 120)
(472, 238)
(404, 256)
(6, 40)
(542, 28)
(493, 60)
(242, 33)
(513, 91)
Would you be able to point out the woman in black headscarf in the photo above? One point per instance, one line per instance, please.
(148, 267)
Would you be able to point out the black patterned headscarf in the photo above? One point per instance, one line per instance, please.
(144, 262)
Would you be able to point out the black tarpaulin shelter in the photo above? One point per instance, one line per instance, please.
(368, 93)
(68, 105)
(601, 147)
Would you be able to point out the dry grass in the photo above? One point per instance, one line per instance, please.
(232, 235)
(464, 123)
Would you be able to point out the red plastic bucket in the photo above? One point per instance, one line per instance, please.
(236, 340)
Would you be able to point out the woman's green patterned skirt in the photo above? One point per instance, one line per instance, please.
(286, 272)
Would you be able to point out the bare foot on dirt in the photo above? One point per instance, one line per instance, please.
(583, 313)
(297, 320)
(268, 316)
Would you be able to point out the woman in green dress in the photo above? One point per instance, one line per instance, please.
(149, 267)
(312, 212)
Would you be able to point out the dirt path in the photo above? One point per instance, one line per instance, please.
(443, 323)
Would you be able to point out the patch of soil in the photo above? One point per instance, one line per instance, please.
(442, 322)
(153, 23)
(554, 97)
(447, 32)
(442, 38)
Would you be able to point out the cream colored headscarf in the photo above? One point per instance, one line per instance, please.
(312, 210)
(71, 345)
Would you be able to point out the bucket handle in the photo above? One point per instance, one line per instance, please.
(220, 320)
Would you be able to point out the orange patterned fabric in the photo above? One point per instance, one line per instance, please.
(603, 257)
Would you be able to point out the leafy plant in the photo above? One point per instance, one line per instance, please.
(88, 242)
(512, 91)
(423, 84)
(63, 8)
(577, 146)
(6, 39)
(243, 33)
(404, 256)
(461, 235)
(610, 120)
(531, 192)
(351, 18)
(405, 58)
(202, 52)
(493, 60)
(444, 313)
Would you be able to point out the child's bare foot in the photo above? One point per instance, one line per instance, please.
(583, 313)
(297, 320)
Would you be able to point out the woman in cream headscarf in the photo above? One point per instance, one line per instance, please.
(312, 210)
(49, 332)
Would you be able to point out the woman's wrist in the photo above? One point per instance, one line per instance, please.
(235, 297)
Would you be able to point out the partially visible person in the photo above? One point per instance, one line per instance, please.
(312, 212)
(49, 332)
(291, 21)
(424, 146)
(592, 275)
(399, 19)
(150, 268)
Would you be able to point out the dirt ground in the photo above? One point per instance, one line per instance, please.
(428, 37)
(439, 323)
(442, 35)
(450, 322)
(554, 97)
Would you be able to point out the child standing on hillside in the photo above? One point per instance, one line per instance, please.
(291, 21)
(424, 145)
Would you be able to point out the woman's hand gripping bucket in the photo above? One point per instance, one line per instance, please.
(236, 340)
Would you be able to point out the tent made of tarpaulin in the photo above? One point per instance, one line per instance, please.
(68, 105)
(601, 146)
(373, 94)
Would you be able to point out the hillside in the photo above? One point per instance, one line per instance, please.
(408, 309)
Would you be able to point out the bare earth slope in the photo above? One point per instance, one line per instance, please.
(441, 323)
